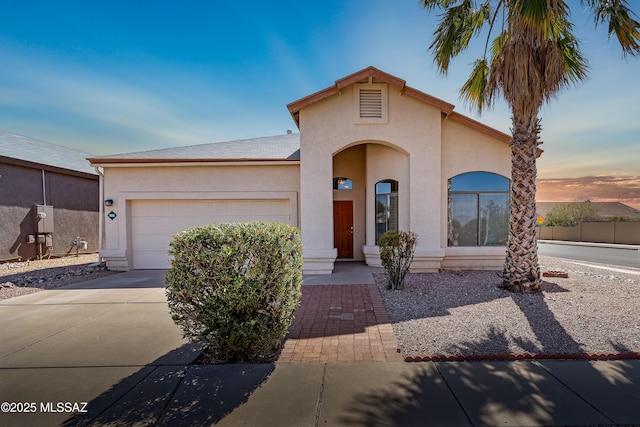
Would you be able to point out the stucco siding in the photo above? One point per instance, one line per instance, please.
(75, 208)
(329, 124)
(126, 185)
(465, 149)
(405, 147)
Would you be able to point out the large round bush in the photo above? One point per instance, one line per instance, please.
(235, 287)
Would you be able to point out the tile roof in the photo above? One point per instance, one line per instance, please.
(280, 147)
(43, 153)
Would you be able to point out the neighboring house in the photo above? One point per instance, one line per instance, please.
(605, 210)
(38, 177)
(373, 154)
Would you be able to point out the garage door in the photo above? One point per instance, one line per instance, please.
(153, 222)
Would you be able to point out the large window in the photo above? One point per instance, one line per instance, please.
(478, 209)
(386, 206)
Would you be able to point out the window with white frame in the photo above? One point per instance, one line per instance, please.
(478, 209)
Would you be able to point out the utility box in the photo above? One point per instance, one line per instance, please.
(44, 218)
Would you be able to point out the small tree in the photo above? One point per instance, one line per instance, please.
(396, 253)
(572, 214)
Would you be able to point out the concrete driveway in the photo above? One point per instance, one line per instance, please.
(73, 343)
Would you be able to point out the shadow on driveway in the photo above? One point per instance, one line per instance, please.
(171, 391)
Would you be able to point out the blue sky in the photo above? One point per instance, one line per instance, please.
(111, 77)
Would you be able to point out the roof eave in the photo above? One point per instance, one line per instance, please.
(105, 161)
(49, 168)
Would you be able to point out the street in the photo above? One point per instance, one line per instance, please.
(601, 255)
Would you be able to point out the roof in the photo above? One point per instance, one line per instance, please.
(34, 152)
(281, 147)
(605, 209)
(285, 147)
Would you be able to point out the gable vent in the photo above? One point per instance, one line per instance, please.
(370, 103)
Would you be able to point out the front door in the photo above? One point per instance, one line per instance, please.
(343, 227)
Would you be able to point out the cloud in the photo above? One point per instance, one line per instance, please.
(598, 188)
(106, 111)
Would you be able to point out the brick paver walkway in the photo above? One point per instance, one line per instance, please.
(340, 323)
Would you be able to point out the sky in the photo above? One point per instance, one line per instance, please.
(122, 76)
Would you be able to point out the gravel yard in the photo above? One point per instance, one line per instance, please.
(21, 278)
(463, 313)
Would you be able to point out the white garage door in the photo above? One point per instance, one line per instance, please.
(153, 222)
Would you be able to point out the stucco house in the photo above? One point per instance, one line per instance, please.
(372, 154)
(48, 198)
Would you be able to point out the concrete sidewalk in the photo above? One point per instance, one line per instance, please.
(110, 343)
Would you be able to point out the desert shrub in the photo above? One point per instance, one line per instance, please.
(396, 253)
(235, 287)
(572, 214)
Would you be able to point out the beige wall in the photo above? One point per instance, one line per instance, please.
(627, 233)
(405, 147)
(465, 149)
(125, 184)
(411, 144)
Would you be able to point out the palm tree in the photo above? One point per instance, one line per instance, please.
(530, 54)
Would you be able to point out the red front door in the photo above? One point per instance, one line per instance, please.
(343, 227)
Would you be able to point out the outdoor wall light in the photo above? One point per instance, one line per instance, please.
(108, 202)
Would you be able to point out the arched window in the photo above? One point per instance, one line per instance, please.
(342, 183)
(386, 206)
(478, 209)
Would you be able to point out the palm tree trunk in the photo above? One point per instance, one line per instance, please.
(521, 270)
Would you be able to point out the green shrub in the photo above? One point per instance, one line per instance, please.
(235, 287)
(572, 214)
(396, 253)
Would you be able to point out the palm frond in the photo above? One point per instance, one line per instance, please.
(474, 92)
(576, 67)
(458, 24)
(498, 43)
(621, 22)
(433, 4)
(541, 14)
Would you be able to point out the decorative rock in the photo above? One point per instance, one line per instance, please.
(555, 273)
